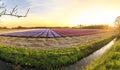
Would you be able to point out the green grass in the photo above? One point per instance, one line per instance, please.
(50, 59)
(109, 61)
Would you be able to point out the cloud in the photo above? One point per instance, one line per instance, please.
(44, 6)
(54, 5)
(38, 3)
(56, 11)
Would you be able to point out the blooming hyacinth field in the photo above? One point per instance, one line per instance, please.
(76, 32)
(52, 33)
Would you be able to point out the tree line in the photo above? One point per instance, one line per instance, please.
(105, 26)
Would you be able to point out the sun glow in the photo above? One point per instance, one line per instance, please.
(94, 16)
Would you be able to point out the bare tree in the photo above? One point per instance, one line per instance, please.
(13, 11)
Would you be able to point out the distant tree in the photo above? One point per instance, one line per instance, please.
(117, 22)
(3, 28)
(13, 12)
(80, 26)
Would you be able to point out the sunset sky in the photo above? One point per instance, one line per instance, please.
(62, 12)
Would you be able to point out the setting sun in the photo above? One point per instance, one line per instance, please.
(94, 16)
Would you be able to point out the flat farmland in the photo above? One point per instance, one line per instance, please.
(61, 42)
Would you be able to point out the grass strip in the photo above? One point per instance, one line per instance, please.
(108, 61)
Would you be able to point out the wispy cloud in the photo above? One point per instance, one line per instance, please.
(38, 3)
(54, 10)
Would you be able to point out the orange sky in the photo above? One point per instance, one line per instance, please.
(63, 12)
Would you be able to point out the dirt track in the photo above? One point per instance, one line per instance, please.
(45, 43)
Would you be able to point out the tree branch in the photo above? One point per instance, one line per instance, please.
(13, 12)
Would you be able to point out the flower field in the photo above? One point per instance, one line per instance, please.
(53, 33)
(33, 33)
(50, 43)
(51, 48)
(76, 32)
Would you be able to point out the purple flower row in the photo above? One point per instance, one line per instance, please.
(76, 32)
(34, 33)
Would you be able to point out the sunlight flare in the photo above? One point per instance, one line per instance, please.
(94, 16)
